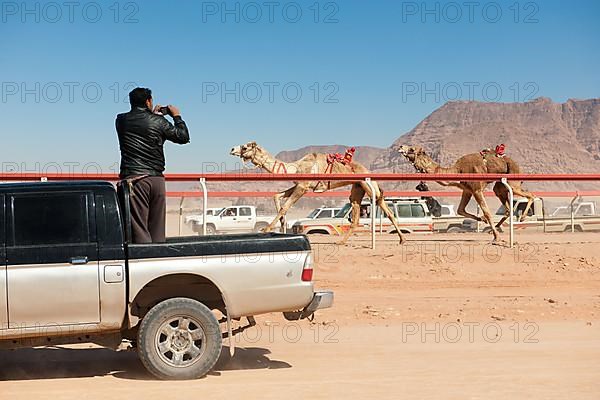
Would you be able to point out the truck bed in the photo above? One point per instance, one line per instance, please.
(247, 243)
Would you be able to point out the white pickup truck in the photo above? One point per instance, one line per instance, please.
(234, 219)
(411, 214)
(70, 275)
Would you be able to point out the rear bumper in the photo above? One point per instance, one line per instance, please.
(320, 300)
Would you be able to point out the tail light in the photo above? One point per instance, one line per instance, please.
(307, 271)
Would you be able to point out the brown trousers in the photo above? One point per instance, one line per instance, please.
(148, 208)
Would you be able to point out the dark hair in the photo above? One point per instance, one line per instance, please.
(139, 96)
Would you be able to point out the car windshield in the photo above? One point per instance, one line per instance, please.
(343, 211)
(561, 211)
(313, 213)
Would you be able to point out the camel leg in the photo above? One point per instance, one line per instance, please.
(357, 194)
(277, 199)
(502, 195)
(464, 200)
(384, 207)
(480, 198)
(530, 197)
(297, 192)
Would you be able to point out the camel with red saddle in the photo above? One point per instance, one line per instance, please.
(315, 163)
(485, 162)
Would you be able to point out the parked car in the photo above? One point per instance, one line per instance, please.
(230, 220)
(411, 214)
(317, 213)
(70, 275)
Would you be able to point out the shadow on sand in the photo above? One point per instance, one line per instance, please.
(60, 362)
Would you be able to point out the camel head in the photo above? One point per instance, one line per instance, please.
(246, 152)
(411, 152)
(416, 156)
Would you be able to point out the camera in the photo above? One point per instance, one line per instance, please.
(164, 110)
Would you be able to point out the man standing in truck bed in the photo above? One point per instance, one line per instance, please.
(142, 133)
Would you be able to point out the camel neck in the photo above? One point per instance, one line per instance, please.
(269, 163)
(427, 165)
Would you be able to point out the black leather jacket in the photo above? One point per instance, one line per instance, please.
(141, 138)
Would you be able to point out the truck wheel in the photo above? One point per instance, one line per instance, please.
(179, 339)
(454, 229)
(210, 229)
(260, 227)
(577, 228)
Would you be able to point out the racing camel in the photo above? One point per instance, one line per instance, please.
(315, 163)
(485, 162)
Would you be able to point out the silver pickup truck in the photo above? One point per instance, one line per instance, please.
(69, 275)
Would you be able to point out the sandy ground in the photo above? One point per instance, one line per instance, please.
(442, 317)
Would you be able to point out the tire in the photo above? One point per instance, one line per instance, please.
(179, 339)
(258, 227)
(210, 229)
(454, 229)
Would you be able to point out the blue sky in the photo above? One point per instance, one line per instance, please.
(286, 74)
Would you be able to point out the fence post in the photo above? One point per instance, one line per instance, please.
(373, 196)
(204, 204)
(543, 213)
(511, 212)
(181, 214)
(573, 212)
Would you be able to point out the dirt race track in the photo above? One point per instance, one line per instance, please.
(443, 317)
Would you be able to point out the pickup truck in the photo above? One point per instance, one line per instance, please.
(70, 275)
(230, 220)
(411, 214)
(537, 221)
